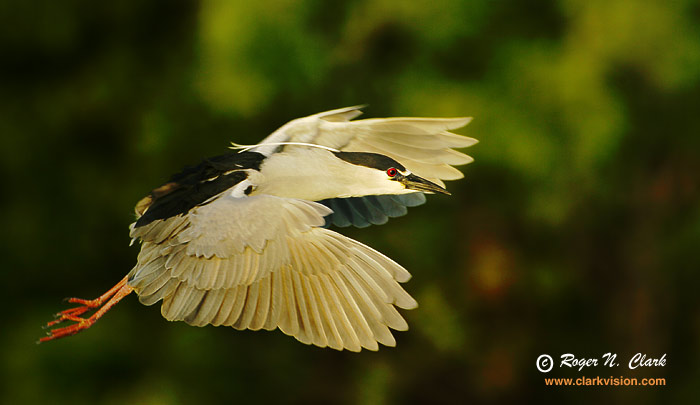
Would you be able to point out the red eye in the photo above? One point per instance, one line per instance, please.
(392, 172)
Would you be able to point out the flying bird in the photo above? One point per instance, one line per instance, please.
(243, 239)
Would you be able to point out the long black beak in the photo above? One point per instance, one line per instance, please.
(413, 182)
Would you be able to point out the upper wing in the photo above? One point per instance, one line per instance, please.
(265, 262)
(423, 145)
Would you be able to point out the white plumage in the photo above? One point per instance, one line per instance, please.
(257, 256)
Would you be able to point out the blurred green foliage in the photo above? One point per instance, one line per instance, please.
(576, 229)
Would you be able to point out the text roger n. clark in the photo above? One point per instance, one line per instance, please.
(610, 360)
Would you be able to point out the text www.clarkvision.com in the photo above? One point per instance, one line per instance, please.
(599, 381)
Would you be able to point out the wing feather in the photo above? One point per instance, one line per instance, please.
(156, 284)
(276, 304)
(210, 307)
(289, 321)
(164, 291)
(263, 306)
(226, 307)
(312, 283)
(356, 318)
(150, 270)
(315, 322)
(237, 308)
(338, 315)
(169, 310)
(373, 316)
(249, 308)
(302, 307)
(335, 341)
(418, 143)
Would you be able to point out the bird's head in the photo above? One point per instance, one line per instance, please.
(387, 174)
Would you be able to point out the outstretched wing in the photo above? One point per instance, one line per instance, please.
(264, 262)
(423, 145)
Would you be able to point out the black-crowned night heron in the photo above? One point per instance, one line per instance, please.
(241, 239)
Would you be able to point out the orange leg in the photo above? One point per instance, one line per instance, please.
(114, 295)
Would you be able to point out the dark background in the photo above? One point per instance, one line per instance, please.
(576, 229)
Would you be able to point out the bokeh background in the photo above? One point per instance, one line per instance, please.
(576, 229)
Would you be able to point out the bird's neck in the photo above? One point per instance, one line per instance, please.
(316, 174)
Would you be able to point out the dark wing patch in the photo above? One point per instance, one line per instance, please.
(369, 210)
(196, 185)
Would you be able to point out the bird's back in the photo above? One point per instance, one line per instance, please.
(196, 185)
